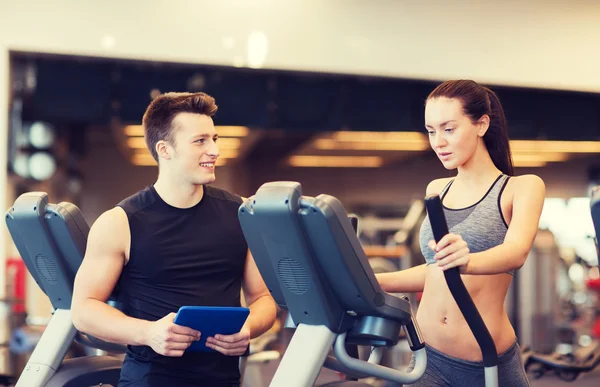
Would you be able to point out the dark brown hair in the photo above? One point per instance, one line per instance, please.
(159, 116)
(478, 100)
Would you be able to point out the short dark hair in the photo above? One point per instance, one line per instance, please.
(159, 116)
(476, 101)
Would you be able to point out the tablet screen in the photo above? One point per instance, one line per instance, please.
(210, 321)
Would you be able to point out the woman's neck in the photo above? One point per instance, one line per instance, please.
(479, 169)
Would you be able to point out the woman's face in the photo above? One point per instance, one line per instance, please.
(452, 134)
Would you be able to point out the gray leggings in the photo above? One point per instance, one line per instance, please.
(447, 371)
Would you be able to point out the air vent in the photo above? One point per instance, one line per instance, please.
(293, 275)
(46, 267)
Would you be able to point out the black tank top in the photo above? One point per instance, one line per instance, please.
(192, 256)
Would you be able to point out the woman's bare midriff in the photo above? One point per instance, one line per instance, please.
(442, 324)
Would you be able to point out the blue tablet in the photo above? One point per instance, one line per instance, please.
(210, 321)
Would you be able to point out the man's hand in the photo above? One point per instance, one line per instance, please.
(452, 251)
(231, 345)
(169, 339)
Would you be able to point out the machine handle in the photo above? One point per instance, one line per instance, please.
(595, 209)
(458, 289)
(363, 367)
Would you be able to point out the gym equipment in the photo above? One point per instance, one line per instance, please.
(324, 301)
(568, 367)
(595, 210)
(315, 267)
(535, 320)
(51, 239)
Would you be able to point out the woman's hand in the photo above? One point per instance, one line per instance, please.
(451, 251)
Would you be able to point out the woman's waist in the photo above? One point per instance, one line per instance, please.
(460, 363)
(448, 331)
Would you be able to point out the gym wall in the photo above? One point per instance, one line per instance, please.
(110, 178)
(537, 43)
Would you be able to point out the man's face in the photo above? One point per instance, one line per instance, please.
(194, 148)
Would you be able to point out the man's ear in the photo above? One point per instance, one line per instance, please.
(163, 150)
(483, 125)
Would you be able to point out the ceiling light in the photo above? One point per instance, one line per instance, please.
(330, 144)
(41, 166)
(223, 143)
(228, 143)
(223, 154)
(534, 157)
(336, 161)
(41, 135)
(537, 146)
(228, 153)
(134, 130)
(232, 131)
(223, 131)
(145, 159)
(532, 163)
(136, 142)
(380, 136)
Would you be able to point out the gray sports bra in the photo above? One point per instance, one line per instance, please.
(481, 225)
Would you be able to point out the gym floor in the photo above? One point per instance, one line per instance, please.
(585, 380)
(262, 375)
(591, 379)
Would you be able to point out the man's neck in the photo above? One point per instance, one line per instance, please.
(178, 194)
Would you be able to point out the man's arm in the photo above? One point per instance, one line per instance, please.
(263, 311)
(96, 279)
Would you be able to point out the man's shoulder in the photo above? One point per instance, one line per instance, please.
(137, 201)
(112, 222)
(223, 195)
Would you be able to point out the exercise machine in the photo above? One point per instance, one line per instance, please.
(51, 239)
(315, 268)
(568, 367)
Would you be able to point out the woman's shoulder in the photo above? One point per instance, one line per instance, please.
(526, 184)
(436, 186)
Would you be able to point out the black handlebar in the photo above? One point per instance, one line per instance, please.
(458, 289)
(595, 208)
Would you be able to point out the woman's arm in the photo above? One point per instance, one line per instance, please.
(405, 281)
(528, 201)
(410, 280)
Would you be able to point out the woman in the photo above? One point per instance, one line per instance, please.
(493, 219)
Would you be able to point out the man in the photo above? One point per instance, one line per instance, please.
(177, 242)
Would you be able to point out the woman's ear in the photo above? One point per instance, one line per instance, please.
(483, 125)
